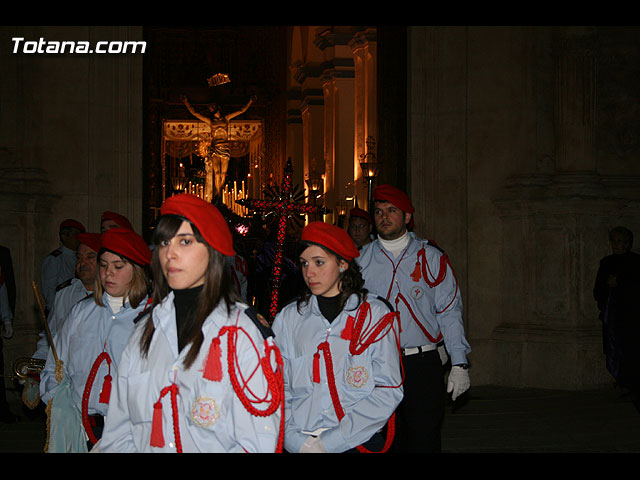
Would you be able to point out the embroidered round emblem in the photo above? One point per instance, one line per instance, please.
(357, 376)
(205, 412)
(263, 321)
(417, 292)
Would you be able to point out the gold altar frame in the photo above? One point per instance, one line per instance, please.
(180, 138)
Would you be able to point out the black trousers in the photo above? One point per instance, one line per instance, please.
(420, 414)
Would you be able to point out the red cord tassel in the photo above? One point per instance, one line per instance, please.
(316, 367)
(106, 389)
(415, 275)
(347, 332)
(157, 437)
(213, 368)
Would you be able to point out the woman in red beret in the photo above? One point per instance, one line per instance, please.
(340, 350)
(92, 339)
(201, 372)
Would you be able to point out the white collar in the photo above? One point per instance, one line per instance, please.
(116, 303)
(397, 245)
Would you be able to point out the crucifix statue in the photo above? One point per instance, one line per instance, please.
(217, 152)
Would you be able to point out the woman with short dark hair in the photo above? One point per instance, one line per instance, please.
(340, 350)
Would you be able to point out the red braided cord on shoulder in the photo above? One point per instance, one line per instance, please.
(275, 382)
(358, 342)
(444, 260)
(87, 393)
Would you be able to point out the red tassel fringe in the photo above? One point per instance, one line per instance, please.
(347, 332)
(316, 367)
(157, 437)
(105, 393)
(213, 368)
(415, 275)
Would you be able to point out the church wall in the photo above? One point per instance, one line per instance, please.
(517, 140)
(70, 147)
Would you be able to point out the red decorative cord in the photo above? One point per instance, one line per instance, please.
(357, 345)
(157, 437)
(444, 261)
(275, 382)
(413, 315)
(104, 395)
(421, 263)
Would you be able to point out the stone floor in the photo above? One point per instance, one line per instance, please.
(507, 420)
(491, 420)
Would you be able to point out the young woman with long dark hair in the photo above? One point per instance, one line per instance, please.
(201, 372)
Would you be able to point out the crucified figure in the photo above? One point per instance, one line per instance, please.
(218, 156)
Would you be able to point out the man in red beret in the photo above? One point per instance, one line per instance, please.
(67, 295)
(360, 226)
(59, 266)
(74, 289)
(416, 277)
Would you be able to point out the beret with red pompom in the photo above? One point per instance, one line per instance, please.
(71, 223)
(91, 240)
(334, 238)
(359, 212)
(120, 220)
(391, 194)
(205, 216)
(126, 243)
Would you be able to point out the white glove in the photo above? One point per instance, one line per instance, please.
(312, 445)
(458, 381)
(7, 330)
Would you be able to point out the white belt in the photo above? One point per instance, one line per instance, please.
(316, 432)
(423, 348)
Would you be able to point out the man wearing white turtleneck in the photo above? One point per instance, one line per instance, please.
(416, 278)
(395, 246)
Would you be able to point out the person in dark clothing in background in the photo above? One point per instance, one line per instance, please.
(617, 292)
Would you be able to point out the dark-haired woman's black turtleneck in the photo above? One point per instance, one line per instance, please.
(329, 306)
(186, 304)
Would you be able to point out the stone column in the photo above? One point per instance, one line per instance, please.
(364, 49)
(339, 118)
(26, 206)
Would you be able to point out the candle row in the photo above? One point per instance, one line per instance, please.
(229, 197)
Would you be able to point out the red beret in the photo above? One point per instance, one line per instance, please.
(91, 240)
(120, 220)
(358, 212)
(391, 194)
(334, 238)
(205, 216)
(127, 243)
(71, 223)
